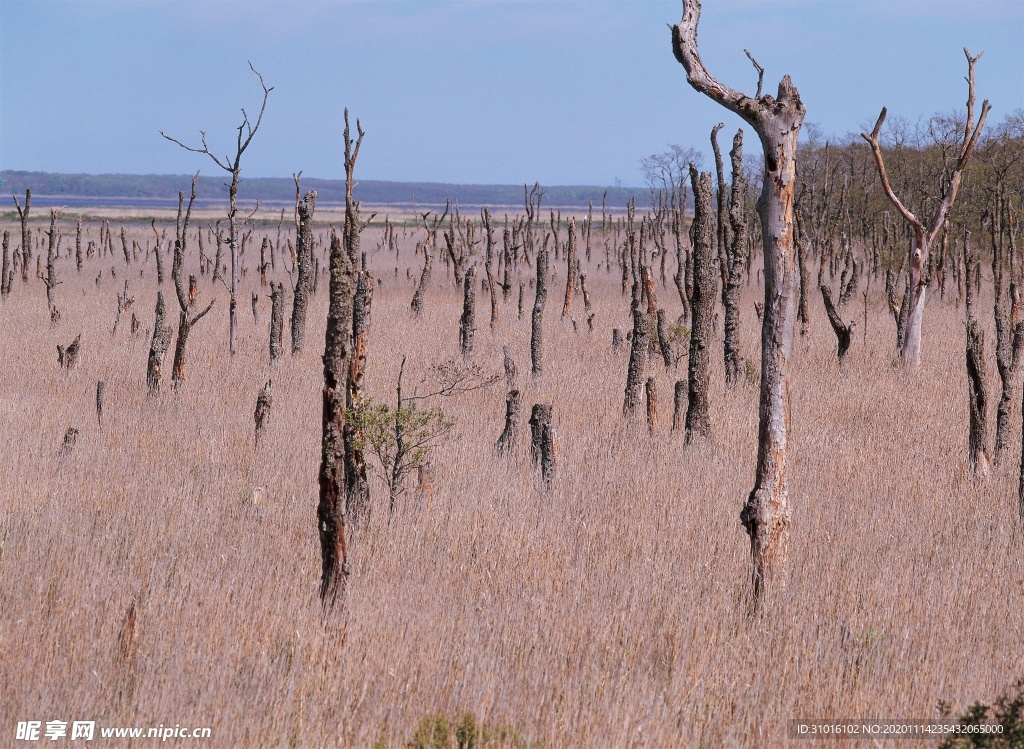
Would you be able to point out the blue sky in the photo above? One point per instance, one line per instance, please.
(477, 91)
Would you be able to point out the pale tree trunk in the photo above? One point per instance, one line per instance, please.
(777, 121)
(537, 319)
(924, 237)
(26, 233)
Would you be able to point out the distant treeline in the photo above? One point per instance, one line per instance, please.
(161, 189)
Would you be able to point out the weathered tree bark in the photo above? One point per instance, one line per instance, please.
(663, 341)
(158, 346)
(276, 319)
(571, 268)
(26, 233)
(158, 252)
(537, 319)
(67, 356)
(489, 265)
(924, 237)
(428, 266)
(507, 441)
(641, 344)
(6, 273)
(844, 333)
(51, 268)
(101, 395)
(262, 414)
(186, 300)
(734, 255)
(78, 246)
(978, 439)
(651, 397)
(801, 257)
(124, 248)
(333, 491)
(616, 340)
(357, 498)
(304, 278)
(1009, 335)
(467, 323)
(543, 446)
(702, 309)
(777, 121)
(679, 405)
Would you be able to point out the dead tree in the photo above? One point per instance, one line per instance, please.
(276, 319)
(51, 268)
(543, 445)
(537, 319)
(304, 277)
(925, 236)
(571, 269)
(801, 258)
(428, 266)
(485, 216)
(26, 233)
(777, 121)
(262, 414)
(357, 498)
(651, 393)
(186, 300)
(1009, 335)
(157, 251)
(844, 332)
(332, 480)
(7, 275)
(978, 439)
(733, 258)
(507, 441)
(467, 323)
(702, 309)
(67, 356)
(101, 394)
(664, 342)
(640, 345)
(233, 166)
(679, 405)
(158, 346)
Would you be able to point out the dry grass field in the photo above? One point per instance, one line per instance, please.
(607, 611)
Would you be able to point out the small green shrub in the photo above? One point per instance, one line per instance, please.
(1007, 712)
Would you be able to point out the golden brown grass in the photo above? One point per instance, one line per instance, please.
(609, 611)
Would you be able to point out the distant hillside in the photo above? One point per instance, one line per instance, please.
(162, 190)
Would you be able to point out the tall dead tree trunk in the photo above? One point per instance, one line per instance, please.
(844, 332)
(333, 491)
(537, 319)
(1009, 335)
(641, 344)
(467, 323)
(702, 309)
(186, 300)
(734, 255)
(158, 346)
(51, 267)
(304, 278)
(777, 121)
(925, 236)
(543, 445)
(233, 166)
(978, 439)
(7, 273)
(571, 267)
(78, 245)
(485, 215)
(357, 498)
(26, 233)
(276, 319)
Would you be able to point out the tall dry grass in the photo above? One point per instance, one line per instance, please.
(609, 611)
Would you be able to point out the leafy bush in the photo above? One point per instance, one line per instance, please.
(1007, 712)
